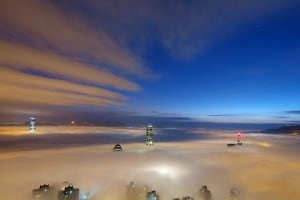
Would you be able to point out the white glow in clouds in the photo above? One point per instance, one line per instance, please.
(261, 172)
(165, 170)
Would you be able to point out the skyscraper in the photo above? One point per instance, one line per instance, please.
(149, 135)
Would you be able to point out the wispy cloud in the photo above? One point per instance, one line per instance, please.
(54, 57)
(222, 115)
(295, 112)
(22, 88)
(90, 54)
(47, 26)
(25, 58)
(184, 28)
(31, 81)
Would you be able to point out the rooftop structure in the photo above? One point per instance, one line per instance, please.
(152, 195)
(187, 198)
(117, 147)
(68, 193)
(231, 144)
(184, 198)
(44, 192)
(234, 193)
(204, 193)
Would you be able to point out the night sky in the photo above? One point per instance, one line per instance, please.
(137, 61)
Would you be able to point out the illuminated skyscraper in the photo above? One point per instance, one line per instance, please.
(32, 124)
(149, 135)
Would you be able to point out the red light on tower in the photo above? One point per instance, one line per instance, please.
(238, 138)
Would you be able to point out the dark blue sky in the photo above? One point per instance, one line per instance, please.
(216, 61)
(252, 72)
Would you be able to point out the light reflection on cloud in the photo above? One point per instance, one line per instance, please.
(174, 169)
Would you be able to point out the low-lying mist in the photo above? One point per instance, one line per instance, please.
(264, 168)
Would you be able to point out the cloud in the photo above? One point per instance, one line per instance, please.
(26, 58)
(40, 96)
(49, 137)
(175, 168)
(293, 122)
(281, 117)
(184, 28)
(21, 88)
(53, 57)
(98, 47)
(47, 26)
(221, 115)
(31, 81)
(294, 112)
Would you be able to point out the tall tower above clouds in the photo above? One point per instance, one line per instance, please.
(149, 135)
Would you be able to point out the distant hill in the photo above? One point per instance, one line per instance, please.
(285, 130)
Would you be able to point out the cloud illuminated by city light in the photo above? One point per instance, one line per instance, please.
(51, 57)
(173, 169)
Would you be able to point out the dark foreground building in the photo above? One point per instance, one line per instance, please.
(204, 193)
(135, 192)
(184, 198)
(234, 193)
(187, 198)
(152, 195)
(44, 192)
(69, 193)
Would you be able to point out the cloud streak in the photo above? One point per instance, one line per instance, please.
(31, 81)
(46, 26)
(26, 58)
(51, 57)
(184, 28)
(294, 112)
(92, 52)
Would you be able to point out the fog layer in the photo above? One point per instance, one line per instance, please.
(264, 168)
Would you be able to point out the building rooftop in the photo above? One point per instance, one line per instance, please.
(117, 147)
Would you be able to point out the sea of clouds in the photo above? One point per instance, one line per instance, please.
(266, 167)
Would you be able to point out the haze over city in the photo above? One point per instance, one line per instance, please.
(194, 99)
